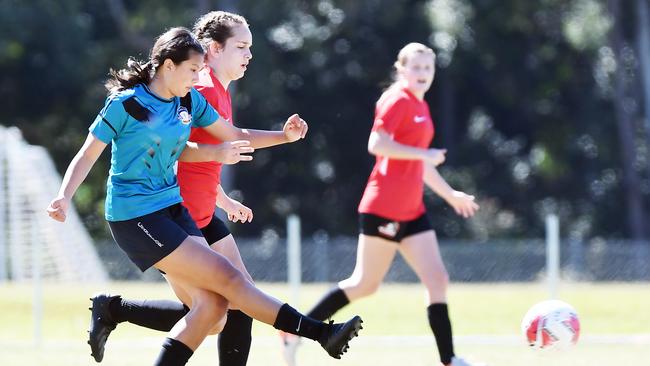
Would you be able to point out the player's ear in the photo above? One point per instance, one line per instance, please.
(215, 47)
(168, 64)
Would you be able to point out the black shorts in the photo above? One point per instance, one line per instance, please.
(215, 230)
(373, 225)
(150, 238)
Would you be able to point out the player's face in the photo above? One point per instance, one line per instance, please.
(418, 72)
(185, 74)
(233, 57)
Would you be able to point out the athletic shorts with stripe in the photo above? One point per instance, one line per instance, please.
(148, 239)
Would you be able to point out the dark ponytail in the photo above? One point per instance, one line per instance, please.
(135, 73)
(176, 44)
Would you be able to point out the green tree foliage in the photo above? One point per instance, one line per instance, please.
(522, 100)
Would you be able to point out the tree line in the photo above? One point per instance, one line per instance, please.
(542, 105)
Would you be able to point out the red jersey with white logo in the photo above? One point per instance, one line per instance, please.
(395, 188)
(198, 181)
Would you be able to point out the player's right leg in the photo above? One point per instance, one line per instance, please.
(107, 311)
(198, 266)
(374, 257)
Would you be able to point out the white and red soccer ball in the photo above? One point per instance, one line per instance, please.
(551, 324)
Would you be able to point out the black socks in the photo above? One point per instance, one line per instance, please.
(153, 314)
(234, 341)
(441, 327)
(173, 353)
(291, 321)
(332, 302)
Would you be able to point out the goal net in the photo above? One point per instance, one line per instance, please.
(31, 244)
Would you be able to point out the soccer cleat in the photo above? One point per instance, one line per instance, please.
(290, 343)
(336, 337)
(101, 324)
(457, 361)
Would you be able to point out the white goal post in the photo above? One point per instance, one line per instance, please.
(552, 255)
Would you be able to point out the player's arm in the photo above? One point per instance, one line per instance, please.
(462, 203)
(235, 210)
(75, 174)
(226, 153)
(294, 129)
(382, 144)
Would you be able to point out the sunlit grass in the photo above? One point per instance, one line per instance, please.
(396, 310)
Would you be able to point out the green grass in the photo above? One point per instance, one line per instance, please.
(493, 310)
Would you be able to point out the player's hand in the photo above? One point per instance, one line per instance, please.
(58, 208)
(238, 212)
(233, 152)
(463, 204)
(295, 128)
(435, 156)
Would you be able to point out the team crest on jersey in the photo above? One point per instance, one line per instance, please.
(390, 229)
(184, 115)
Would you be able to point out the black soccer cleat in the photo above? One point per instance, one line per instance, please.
(336, 337)
(101, 324)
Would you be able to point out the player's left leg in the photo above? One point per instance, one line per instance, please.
(422, 253)
(235, 339)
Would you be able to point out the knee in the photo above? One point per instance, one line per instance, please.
(360, 288)
(438, 280)
(234, 281)
(369, 288)
(211, 309)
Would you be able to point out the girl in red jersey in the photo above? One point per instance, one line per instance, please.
(392, 216)
(227, 40)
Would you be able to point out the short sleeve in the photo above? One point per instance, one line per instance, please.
(202, 112)
(110, 120)
(389, 113)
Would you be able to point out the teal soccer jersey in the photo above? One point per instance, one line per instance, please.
(148, 134)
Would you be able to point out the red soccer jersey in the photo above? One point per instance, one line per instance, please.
(198, 181)
(395, 187)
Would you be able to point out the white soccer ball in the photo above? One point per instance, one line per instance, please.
(551, 324)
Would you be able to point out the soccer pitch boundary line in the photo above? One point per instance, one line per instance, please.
(415, 341)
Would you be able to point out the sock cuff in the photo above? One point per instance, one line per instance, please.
(437, 307)
(115, 306)
(280, 319)
(239, 316)
(340, 295)
(180, 347)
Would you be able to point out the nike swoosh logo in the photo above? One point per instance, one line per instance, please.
(419, 119)
(299, 322)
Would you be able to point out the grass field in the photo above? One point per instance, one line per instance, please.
(615, 327)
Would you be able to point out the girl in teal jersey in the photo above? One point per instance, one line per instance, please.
(147, 118)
